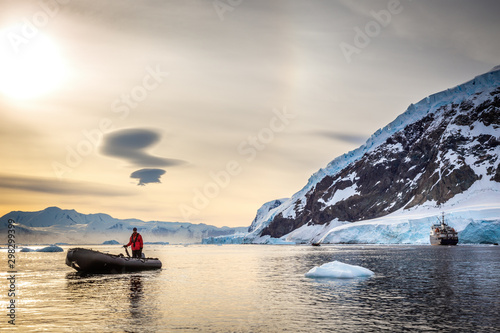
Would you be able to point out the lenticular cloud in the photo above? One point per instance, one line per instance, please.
(147, 176)
(132, 144)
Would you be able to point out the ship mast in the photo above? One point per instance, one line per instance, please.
(442, 219)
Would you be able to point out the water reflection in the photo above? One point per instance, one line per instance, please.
(135, 297)
(263, 289)
(118, 298)
(340, 284)
(91, 284)
(415, 288)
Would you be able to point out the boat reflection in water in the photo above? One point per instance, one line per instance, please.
(135, 296)
(442, 234)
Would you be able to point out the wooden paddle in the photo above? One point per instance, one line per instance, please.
(126, 251)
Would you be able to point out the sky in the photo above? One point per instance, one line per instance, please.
(203, 110)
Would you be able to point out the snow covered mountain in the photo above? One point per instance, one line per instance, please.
(442, 154)
(264, 213)
(53, 225)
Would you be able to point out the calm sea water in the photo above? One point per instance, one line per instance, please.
(258, 288)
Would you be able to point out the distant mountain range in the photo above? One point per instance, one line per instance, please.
(442, 154)
(55, 225)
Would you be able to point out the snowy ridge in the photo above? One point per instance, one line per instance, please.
(265, 214)
(494, 69)
(60, 225)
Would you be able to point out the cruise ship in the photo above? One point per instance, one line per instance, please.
(442, 234)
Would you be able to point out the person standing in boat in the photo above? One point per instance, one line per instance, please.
(136, 242)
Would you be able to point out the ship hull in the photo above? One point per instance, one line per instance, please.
(443, 241)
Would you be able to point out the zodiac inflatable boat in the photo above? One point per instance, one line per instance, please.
(85, 260)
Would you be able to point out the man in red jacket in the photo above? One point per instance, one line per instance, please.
(136, 242)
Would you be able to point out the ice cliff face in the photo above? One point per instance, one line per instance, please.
(443, 146)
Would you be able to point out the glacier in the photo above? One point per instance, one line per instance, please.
(474, 227)
(481, 232)
(474, 214)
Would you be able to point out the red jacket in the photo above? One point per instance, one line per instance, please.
(135, 241)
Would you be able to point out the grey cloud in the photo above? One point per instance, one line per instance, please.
(130, 145)
(147, 176)
(54, 186)
(349, 138)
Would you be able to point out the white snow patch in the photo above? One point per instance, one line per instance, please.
(266, 213)
(311, 233)
(340, 195)
(270, 240)
(380, 161)
(396, 147)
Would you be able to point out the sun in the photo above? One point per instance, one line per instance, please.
(30, 69)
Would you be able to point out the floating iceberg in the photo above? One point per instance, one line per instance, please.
(26, 249)
(338, 270)
(51, 248)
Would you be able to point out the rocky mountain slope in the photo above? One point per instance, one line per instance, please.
(442, 149)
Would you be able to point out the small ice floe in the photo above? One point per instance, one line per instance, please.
(51, 248)
(26, 249)
(338, 270)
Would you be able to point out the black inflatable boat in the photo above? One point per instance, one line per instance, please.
(85, 260)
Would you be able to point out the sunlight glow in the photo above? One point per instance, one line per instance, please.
(34, 70)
